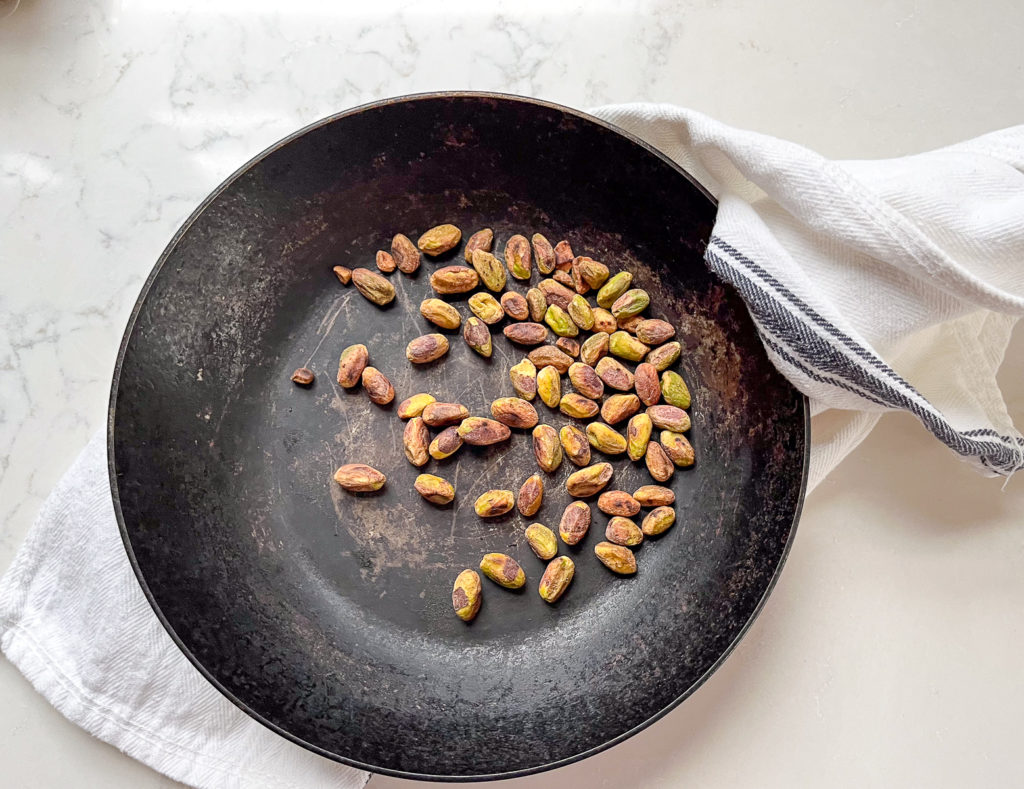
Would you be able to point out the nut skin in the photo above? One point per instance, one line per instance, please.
(303, 376)
(658, 521)
(674, 390)
(546, 449)
(575, 523)
(343, 273)
(436, 490)
(503, 570)
(664, 356)
(440, 313)
(577, 406)
(588, 481)
(668, 417)
(659, 465)
(614, 374)
(481, 432)
(585, 380)
(454, 279)
(563, 278)
(630, 303)
(543, 253)
(560, 322)
(378, 387)
(439, 239)
(406, 256)
(373, 286)
(604, 439)
(385, 261)
(477, 336)
(538, 304)
(654, 332)
(359, 478)
(524, 379)
(556, 293)
(443, 414)
(581, 313)
(486, 307)
(619, 407)
(625, 346)
(604, 321)
(514, 412)
(413, 406)
(677, 448)
(629, 324)
(563, 255)
(645, 381)
(654, 496)
(614, 288)
(638, 436)
(531, 496)
(426, 348)
(467, 594)
(526, 333)
(550, 356)
(445, 444)
(549, 386)
(515, 305)
(568, 346)
(576, 445)
(556, 579)
(618, 502)
(490, 270)
(622, 531)
(482, 240)
(542, 541)
(594, 348)
(351, 364)
(518, 257)
(617, 558)
(494, 503)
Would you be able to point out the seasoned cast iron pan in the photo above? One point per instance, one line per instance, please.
(327, 616)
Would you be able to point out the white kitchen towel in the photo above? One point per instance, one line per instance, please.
(875, 285)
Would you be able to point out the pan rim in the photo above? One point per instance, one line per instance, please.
(126, 540)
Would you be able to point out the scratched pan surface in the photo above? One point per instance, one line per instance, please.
(327, 616)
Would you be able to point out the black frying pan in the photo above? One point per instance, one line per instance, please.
(326, 616)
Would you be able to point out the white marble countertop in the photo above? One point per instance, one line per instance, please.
(889, 654)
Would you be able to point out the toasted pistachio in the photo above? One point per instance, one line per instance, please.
(556, 579)
(428, 348)
(377, 386)
(481, 431)
(436, 490)
(550, 356)
(594, 348)
(531, 496)
(413, 406)
(406, 256)
(503, 570)
(343, 273)
(563, 254)
(486, 307)
(658, 463)
(556, 293)
(622, 531)
(581, 313)
(618, 502)
(481, 239)
(489, 269)
(563, 278)
(576, 445)
(385, 262)
(514, 412)
(619, 407)
(416, 442)
(549, 386)
(664, 356)
(303, 376)
(438, 414)
(445, 444)
(614, 288)
(588, 481)
(568, 346)
(440, 313)
(359, 478)
(494, 503)
(630, 303)
(351, 365)
(579, 284)
(617, 558)
(518, 257)
(628, 323)
(538, 304)
(524, 379)
(625, 346)
(604, 321)
(658, 520)
(638, 435)
(560, 322)
(586, 380)
(546, 448)
(577, 406)
(574, 523)
(668, 417)
(593, 273)
(454, 279)
(654, 332)
(515, 305)
(645, 381)
(477, 336)
(614, 374)
(467, 594)
(373, 286)
(439, 240)
(677, 448)
(654, 496)
(542, 540)
(674, 389)
(605, 439)
(543, 253)
(526, 333)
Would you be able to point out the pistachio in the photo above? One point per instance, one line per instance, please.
(413, 406)
(576, 445)
(574, 523)
(542, 540)
(577, 406)
(630, 303)
(434, 489)
(427, 348)
(543, 253)
(677, 448)
(343, 273)
(550, 356)
(524, 379)
(614, 288)
(658, 463)
(605, 439)
(546, 448)
(373, 286)
(303, 376)
(588, 481)
(581, 313)
(489, 269)
(526, 333)
(625, 346)
(560, 322)
(614, 374)
(467, 594)
(378, 387)
(654, 332)
(674, 389)
(556, 579)
(604, 321)
(619, 407)
(664, 356)
(482, 240)
(658, 520)
(629, 323)
(622, 531)
(440, 313)
(406, 256)
(556, 293)
(579, 284)
(518, 257)
(359, 478)
(503, 570)
(586, 380)
(549, 386)
(515, 305)
(654, 496)
(514, 412)
(531, 496)
(486, 307)
(594, 348)
(477, 336)
(592, 273)
(454, 279)
(443, 414)
(439, 240)
(568, 346)
(351, 365)
(638, 435)
(538, 304)
(618, 502)
(645, 381)
(563, 254)
(494, 503)
(563, 278)
(617, 558)
(385, 262)
(668, 417)
(481, 431)
(445, 444)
